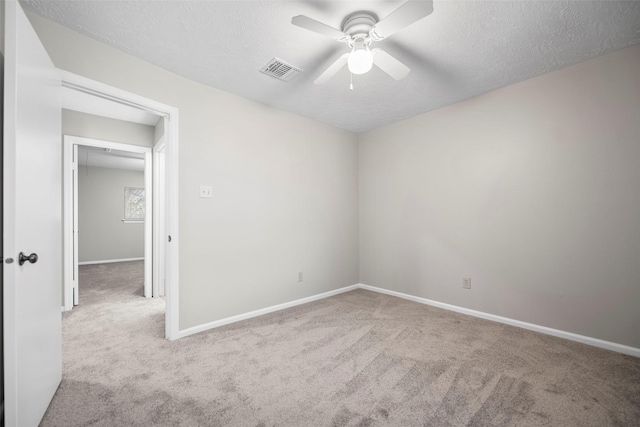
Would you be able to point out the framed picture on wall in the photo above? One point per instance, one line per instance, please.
(134, 204)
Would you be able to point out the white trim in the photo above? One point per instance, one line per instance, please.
(608, 345)
(267, 310)
(170, 116)
(619, 348)
(74, 297)
(100, 143)
(110, 93)
(109, 261)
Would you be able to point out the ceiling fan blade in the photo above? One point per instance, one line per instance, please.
(405, 15)
(389, 64)
(318, 27)
(333, 69)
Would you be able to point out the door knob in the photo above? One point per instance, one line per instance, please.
(22, 258)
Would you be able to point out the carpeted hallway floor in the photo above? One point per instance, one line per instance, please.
(356, 359)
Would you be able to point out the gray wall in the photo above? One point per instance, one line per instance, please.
(90, 126)
(531, 190)
(285, 188)
(102, 234)
(158, 131)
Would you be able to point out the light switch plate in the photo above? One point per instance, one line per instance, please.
(206, 191)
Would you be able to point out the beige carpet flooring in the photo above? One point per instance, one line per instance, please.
(356, 359)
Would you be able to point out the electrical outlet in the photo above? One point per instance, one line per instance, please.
(466, 282)
(206, 191)
(300, 277)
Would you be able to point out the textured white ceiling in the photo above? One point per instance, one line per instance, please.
(463, 49)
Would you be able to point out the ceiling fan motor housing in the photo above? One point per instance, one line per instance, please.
(358, 24)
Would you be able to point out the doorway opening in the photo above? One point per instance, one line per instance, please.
(117, 223)
(161, 229)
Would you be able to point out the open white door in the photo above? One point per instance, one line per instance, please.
(70, 217)
(32, 223)
(159, 228)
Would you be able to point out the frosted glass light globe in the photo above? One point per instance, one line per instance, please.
(360, 61)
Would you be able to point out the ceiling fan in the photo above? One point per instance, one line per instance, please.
(359, 31)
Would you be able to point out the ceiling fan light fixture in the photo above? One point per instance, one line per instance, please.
(359, 30)
(360, 61)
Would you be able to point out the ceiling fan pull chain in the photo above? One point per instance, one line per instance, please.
(351, 85)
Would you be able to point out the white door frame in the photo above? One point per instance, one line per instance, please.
(170, 115)
(71, 212)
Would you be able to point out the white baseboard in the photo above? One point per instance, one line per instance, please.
(631, 351)
(109, 261)
(215, 324)
(620, 348)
